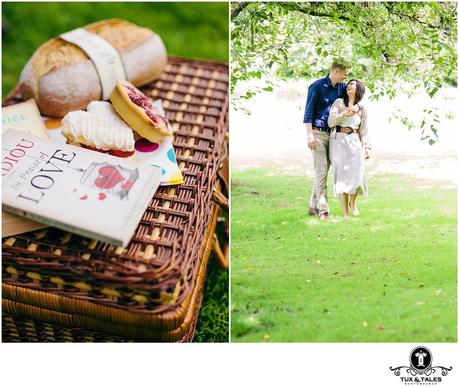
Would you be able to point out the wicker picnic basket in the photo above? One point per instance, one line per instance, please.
(59, 286)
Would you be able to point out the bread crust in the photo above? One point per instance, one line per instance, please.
(62, 78)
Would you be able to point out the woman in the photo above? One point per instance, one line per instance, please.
(349, 145)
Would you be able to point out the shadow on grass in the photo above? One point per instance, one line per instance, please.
(389, 275)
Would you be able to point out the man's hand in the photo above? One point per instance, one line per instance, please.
(366, 154)
(312, 144)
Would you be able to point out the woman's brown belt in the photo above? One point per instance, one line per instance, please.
(344, 129)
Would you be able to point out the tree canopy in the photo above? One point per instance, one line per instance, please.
(393, 46)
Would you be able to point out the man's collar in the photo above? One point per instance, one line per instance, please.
(329, 82)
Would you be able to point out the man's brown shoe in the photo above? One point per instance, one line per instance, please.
(324, 216)
(313, 211)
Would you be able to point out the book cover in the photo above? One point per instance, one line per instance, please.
(88, 193)
(24, 117)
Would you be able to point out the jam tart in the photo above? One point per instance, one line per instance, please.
(139, 113)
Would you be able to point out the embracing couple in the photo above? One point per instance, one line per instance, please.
(336, 123)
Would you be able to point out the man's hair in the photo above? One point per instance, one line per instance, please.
(340, 63)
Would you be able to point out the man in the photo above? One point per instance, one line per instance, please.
(321, 95)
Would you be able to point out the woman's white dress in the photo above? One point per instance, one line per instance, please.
(346, 155)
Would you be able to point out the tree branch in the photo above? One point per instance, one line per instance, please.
(237, 8)
(314, 12)
(393, 11)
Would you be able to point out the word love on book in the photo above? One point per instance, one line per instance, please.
(89, 193)
(40, 181)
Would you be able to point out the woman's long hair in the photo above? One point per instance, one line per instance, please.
(359, 92)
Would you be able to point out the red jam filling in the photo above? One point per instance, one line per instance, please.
(120, 153)
(141, 100)
(94, 149)
(113, 152)
(154, 117)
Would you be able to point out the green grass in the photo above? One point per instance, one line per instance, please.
(213, 321)
(388, 276)
(192, 30)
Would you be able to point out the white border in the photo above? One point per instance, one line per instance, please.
(127, 365)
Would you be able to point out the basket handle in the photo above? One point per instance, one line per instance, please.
(222, 256)
(223, 169)
(218, 195)
(220, 199)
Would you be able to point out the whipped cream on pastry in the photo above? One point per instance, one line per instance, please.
(99, 127)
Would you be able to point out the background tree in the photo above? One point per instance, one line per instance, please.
(393, 46)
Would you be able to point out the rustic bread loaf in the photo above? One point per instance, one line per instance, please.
(62, 78)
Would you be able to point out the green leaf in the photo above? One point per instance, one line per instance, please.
(433, 91)
(392, 46)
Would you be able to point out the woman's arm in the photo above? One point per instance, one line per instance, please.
(337, 113)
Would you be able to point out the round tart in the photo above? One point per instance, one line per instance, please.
(136, 109)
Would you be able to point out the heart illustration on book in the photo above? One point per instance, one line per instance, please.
(128, 185)
(108, 177)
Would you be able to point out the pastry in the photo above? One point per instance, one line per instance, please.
(137, 110)
(99, 129)
(61, 77)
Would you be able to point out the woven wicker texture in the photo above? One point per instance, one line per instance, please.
(152, 288)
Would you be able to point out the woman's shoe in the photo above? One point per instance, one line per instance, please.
(313, 211)
(355, 211)
(324, 216)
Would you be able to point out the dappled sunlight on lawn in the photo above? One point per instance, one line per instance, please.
(296, 278)
(314, 220)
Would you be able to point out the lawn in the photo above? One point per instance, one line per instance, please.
(192, 30)
(387, 276)
(213, 323)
